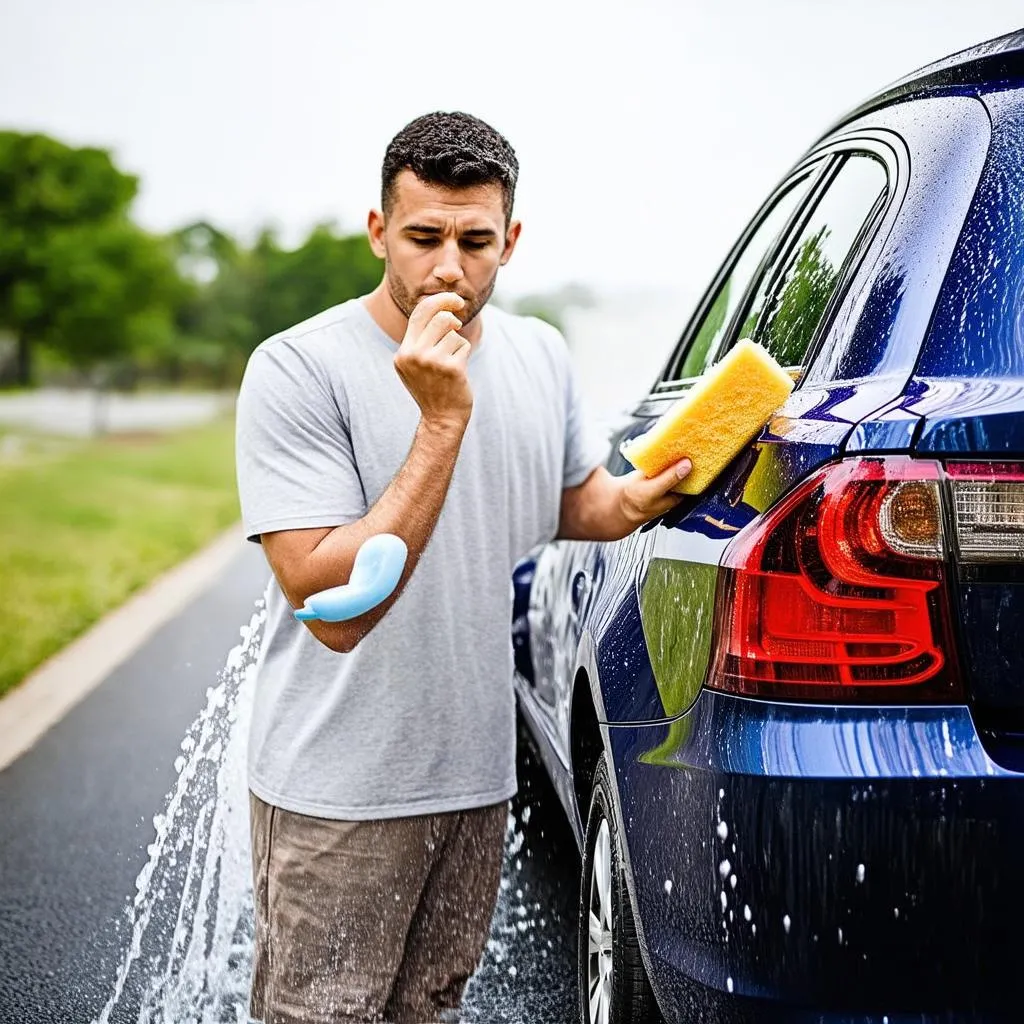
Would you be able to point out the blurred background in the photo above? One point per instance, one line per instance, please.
(179, 181)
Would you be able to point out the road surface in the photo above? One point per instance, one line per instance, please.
(77, 816)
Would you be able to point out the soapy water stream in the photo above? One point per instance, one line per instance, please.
(190, 953)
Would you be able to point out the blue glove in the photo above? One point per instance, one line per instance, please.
(375, 574)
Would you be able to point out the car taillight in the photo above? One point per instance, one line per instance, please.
(838, 592)
(988, 510)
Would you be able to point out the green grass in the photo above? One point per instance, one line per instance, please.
(85, 524)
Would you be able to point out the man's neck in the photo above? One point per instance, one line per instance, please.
(393, 322)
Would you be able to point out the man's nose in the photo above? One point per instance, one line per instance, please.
(449, 264)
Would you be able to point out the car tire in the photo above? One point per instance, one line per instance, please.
(613, 983)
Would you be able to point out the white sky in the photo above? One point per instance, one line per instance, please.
(647, 133)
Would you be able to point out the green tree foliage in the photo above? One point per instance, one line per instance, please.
(76, 275)
(552, 306)
(81, 280)
(535, 305)
(236, 297)
(213, 329)
(287, 286)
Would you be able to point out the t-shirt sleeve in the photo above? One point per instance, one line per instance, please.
(293, 451)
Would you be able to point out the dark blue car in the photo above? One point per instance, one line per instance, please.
(786, 721)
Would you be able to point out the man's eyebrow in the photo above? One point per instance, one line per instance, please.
(427, 229)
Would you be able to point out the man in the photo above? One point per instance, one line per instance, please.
(382, 751)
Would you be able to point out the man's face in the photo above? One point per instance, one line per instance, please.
(437, 239)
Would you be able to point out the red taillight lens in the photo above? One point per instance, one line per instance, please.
(838, 592)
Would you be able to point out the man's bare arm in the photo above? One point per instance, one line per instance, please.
(606, 507)
(306, 561)
(432, 364)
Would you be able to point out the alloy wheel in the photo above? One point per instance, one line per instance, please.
(599, 943)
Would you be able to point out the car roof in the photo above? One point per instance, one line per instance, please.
(997, 63)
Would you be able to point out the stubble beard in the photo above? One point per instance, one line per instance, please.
(406, 300)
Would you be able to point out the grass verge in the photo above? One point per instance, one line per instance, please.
(86, 524)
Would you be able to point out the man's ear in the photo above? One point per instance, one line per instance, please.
(511, 237)
(375, 233)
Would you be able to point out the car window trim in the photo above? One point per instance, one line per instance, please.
(850, 264)
(780, 254)
(878, 143)
(803, 169)
(891, 149)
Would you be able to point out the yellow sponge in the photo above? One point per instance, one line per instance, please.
(715, 419)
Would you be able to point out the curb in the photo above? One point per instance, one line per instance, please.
(53, 689)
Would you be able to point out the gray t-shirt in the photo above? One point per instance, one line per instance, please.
(419, 717)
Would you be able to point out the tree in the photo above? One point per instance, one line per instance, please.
(213, 325)
(287, 286)
(235, 296)
(75, 273)
(106, 291)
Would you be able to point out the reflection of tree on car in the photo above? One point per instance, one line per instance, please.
(797, 304)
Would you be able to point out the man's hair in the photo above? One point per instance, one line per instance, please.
(455, 150)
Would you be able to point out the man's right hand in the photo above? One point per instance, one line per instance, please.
(432, 361)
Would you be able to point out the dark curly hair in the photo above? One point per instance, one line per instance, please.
(451, 149)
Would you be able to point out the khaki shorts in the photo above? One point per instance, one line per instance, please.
(370, 920)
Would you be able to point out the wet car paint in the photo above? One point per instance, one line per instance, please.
(871, 852)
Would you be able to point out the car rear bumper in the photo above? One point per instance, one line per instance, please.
(793, 862)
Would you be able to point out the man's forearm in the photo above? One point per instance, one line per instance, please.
(606, 507)
(409, 508)
(594, 510)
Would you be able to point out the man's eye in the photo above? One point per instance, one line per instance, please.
(475, 245)
(425, 242)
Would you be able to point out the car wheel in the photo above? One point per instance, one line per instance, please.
(612, 979)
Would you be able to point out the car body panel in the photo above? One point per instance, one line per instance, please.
(824, 917)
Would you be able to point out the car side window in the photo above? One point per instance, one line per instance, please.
(708, 336)
(791, 300)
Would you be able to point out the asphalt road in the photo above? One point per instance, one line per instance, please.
(76, 818)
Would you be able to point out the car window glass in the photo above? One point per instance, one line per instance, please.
(706, 341)
(789, 304)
